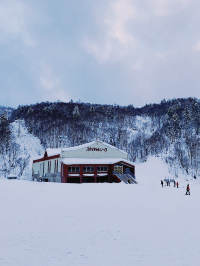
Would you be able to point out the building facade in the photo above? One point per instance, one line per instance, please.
(92, 162)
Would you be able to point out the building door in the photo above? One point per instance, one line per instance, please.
(118, 169)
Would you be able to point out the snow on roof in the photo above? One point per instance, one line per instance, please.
(73, 161)
(12, 175)
(79, 146)
(113, 147)
(52, 152)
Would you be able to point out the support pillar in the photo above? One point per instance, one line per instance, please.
(95, 173)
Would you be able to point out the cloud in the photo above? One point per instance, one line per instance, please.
(94, 50)
(51, 85)
(165, 7)
(47, 80)
(14, 21)
(122, 11)
(197, 46)
(116, 40)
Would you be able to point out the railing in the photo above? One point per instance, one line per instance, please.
(126, 172)
(126, 177)
(129, 173)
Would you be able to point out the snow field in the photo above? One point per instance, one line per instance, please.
(100, 224)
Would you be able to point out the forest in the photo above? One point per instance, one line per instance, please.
(169, 129)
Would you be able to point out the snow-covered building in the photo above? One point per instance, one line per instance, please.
(96, 161)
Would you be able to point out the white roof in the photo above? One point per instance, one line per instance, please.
(12, 175)
(113, 147)
(52, 152)
(79, 146)
(77, 161)
(89, 144)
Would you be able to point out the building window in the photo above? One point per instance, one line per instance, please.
(102, 169)
(73, 169)
(56, 166)
(88, 169)
(49, 167)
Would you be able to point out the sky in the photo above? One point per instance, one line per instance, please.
(104, 51)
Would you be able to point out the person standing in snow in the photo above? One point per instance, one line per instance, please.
(187, 190)
(177, 184)
(162, 183)
(174, 183)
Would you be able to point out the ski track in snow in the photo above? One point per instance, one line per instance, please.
(101, 224)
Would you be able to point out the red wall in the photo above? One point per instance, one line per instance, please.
(110, 171)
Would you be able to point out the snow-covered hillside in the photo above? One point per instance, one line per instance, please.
(101, 224)
(26, 140)
(29, 148)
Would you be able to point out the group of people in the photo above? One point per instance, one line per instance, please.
(176, 184)
(168, 183)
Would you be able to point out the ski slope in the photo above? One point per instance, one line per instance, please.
(30, 146)
(101, 224)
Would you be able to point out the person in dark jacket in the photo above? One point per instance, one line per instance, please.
(188, 189)
(174, 183)
(162, 183)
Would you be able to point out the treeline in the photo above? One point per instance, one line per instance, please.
(170, 128)
(5, 134)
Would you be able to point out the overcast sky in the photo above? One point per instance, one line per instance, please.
(99, 51)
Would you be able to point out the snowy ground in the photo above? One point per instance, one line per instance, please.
(100, 224)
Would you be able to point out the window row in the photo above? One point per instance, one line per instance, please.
(102, 169)
(87, 169)
(73, 169)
